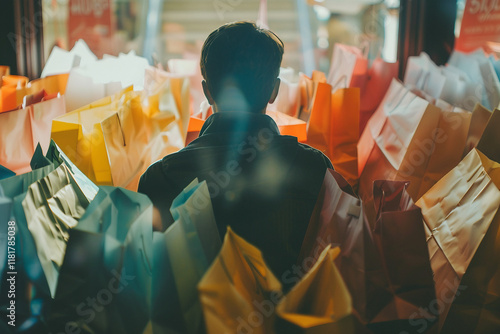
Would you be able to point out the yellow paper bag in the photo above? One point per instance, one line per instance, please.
(115, 139)
(319, 301)
(238, 292)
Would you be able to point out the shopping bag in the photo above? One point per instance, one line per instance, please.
(4, 70)
(167, 95)
(479, 120)
(481, 72)
(55, 157)
(337, 220)
(449, 143)
(287, 100)
(187, 249)
(104, 77)
(12, 91)
(344, 133)
(5, 173)
(17, 185)
(197, 120)
(421, 73)
(109, 258)
(31, 277)
(410, 139)
(450, 83)
(475, 307)
(490, 137)
(289, 126)
(453, 224)
(21, 130)
(348, 67)
(399, 286)
(190, 68)
(61, 61)
(379, 78)
(53, 205)
(319, 118)
(32, 295)
(52, 84)
(14, 88)
(114, 140)
(239, 292)
(333, 127)
(307, 92)
(400, 239)
(397, 100)
(319, 302)
(376, 241)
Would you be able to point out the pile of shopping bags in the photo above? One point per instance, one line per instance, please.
(404, 236)
(128, 115)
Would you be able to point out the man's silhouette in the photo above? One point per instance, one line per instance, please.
(262, 184)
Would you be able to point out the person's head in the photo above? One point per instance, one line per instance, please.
(240, 64)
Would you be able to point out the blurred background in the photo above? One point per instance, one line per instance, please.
(161, 30)
(166, 29)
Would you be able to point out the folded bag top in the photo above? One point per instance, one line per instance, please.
(237, 280)
(460, 207)
(321, 297)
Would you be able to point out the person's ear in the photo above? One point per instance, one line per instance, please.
(207, 93)
(275, 90)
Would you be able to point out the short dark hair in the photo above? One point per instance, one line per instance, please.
(245, 54)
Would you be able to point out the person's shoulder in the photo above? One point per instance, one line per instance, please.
(314, 155)
(151, 176)
(161, 171)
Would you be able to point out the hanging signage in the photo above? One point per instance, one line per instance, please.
(90, 20)
(480, 25)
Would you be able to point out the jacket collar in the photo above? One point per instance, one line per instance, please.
(231, 122)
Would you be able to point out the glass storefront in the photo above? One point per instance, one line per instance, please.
(168, 29)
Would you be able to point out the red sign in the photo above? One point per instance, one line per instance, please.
(90, 20)
(480, 25)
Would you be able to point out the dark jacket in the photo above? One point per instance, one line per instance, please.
(262, 184)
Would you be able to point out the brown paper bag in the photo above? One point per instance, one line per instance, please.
(458, 211)
(488, 144)
(383, 256)
(449, 141)
(479, 120)
(408, 139)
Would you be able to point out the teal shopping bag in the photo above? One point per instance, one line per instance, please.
(109, 258)
(183, 253)
(52, 207)
(57, 157)
(33, 287)
(31, 283)
(5, 173)
(13, 193)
